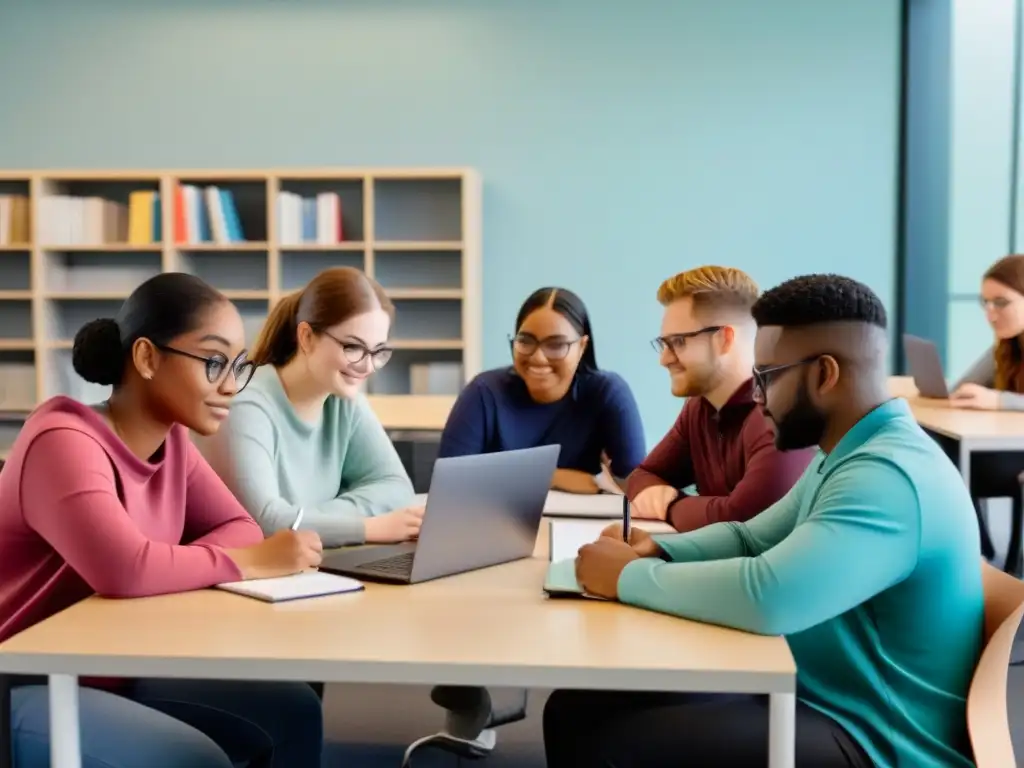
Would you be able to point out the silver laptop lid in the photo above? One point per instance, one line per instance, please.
(483, 510)
(925, 366)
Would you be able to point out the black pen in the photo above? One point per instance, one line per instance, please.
(625, 518)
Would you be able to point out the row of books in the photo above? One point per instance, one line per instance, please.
(72, 220)
(206, 215)
(14, 220)
(201, 215)
(309, 219)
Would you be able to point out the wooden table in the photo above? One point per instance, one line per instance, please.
(492, 627)
(415, 412)
(974, 431)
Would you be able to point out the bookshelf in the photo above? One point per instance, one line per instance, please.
(74, 244)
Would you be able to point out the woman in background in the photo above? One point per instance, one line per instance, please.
(114, 499)
(302, 436)
(996, 380)
(554, 393)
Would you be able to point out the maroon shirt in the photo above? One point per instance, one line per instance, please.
(730, 454)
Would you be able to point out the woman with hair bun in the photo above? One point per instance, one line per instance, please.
(302, 436)
(114, 499)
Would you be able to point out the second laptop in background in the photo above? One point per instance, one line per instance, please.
(482, 510)
(925, 367)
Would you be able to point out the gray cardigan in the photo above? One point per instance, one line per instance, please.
(983, 373)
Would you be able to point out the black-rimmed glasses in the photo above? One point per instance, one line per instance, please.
(356, 353)
(763, 376)
(677, 341)
(553, 347)
(218, 365)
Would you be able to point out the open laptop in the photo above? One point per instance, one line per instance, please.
(925, 366)
(482, 510)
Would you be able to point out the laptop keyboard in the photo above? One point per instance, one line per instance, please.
(396, 565)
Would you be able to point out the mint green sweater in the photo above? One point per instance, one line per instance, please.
(340, 470)
(871, 568)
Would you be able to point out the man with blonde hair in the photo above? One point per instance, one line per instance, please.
(721, 441)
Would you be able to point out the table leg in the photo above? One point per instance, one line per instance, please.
(65, 741)
(782, 731)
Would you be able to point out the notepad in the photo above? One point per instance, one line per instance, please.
(565, 537)
(296, 587)
(599, 505)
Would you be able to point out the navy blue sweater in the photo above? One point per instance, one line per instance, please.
(495, 412)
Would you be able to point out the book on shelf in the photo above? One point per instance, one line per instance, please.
(435, 378)
(315, 220)
(14, 219)
(206, 215)
(71, 220)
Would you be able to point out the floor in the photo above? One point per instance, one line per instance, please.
(363, 735)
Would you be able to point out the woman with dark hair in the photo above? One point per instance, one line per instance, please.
(303, 436)
(996, 381)
(554, 393)
(114, 499)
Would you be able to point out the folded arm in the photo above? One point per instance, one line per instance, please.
(69, 498)
(767, 477)
(668, 464)
(860, 538)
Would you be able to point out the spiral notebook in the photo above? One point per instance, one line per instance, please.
(296, 587)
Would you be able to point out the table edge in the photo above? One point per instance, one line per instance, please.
(405, 673)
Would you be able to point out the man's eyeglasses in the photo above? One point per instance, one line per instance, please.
(218, 365)
(677, 341)
(356, 353)
(553, 347)
(763, 376)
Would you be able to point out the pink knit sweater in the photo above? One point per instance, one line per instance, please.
(81, 515)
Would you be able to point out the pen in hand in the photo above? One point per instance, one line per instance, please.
(298, 519)
(625, 518)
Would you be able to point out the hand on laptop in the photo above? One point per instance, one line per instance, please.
(975, 396)
(652, 503)
(640, 540)
(281, 554)
(400, 525)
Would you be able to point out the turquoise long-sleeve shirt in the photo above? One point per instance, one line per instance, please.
(871, 569)
(340, 470)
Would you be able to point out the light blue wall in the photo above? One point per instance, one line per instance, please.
(619, 142)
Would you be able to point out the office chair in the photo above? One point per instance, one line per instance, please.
(470, 722)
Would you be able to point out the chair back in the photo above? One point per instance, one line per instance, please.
(988, 721)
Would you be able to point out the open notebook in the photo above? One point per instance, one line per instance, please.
(296, 587)
(565, 537)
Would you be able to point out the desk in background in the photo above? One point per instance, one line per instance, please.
(414, 425)
(972, 431)
(970, 437)
(492, 627)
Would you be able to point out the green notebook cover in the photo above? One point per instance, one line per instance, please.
(560, 581)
